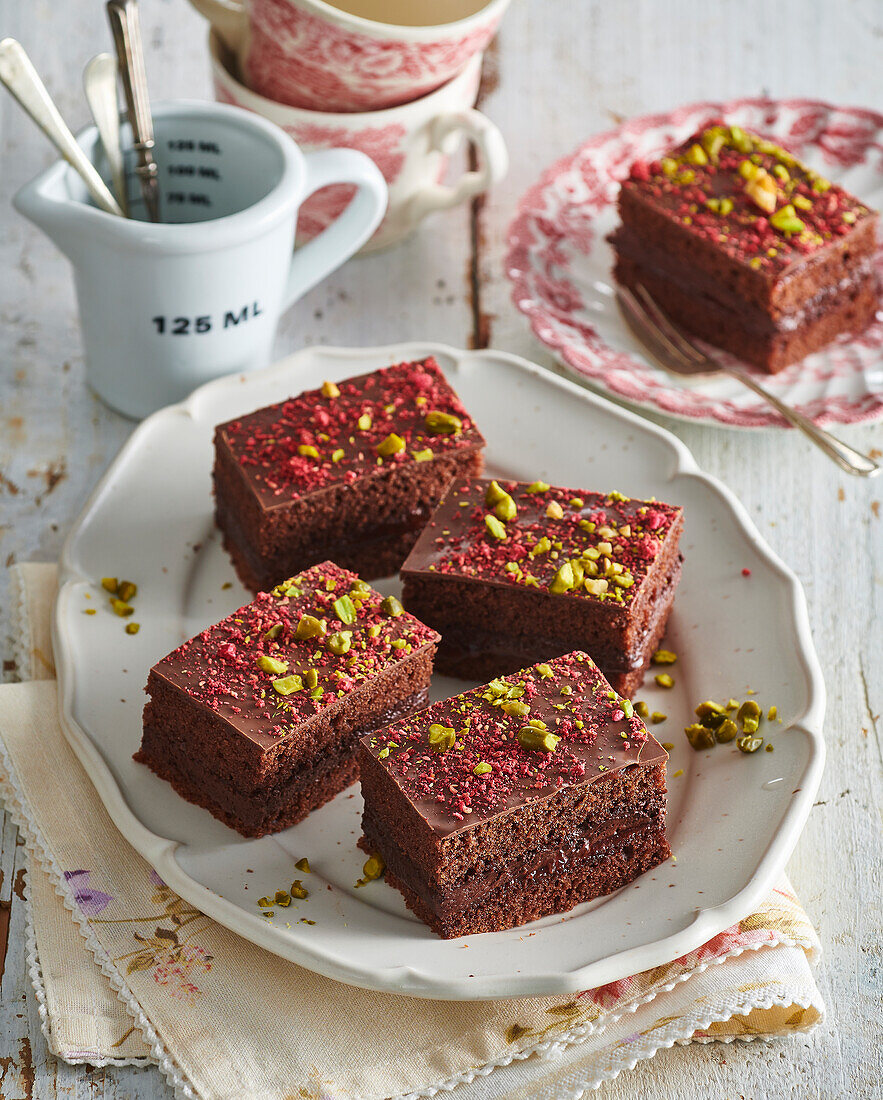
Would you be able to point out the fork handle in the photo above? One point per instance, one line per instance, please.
(847, 458)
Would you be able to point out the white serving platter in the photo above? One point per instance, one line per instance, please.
(733, 819)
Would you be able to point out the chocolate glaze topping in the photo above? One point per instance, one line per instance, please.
(615, 539)
(598, 734)
(330, 436)
(225, 668)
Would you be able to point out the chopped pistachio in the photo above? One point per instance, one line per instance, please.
(274, 632)
(374, 867)
(339, 642)
(515, 708)
(288, 685)
(272, 664)
(664, 680)
(398, 643)
(127, 591)
(564, 580)
(265, 903)
(132, 628)
(664, 657)
(364, 422)
(307, 450)
(90, 611)
(772, 713)
(298, 890)
(110, 584)
(311, 678)
(495, 492)
(538, 487)
(537, 740)
(628, 708)
(329, 389)
(392, 445)
(748, 743)
(657, 716)
(373, 630)
(801, 202)
(422, 456)
(541, 546)
(441, 738)
(121, 608)
(749, 725)
(786, 220)
(545, 671)
(576, 502)
(554, 510)
(749, 709)
(482, 768)
(495, 528)
(696, 155)
(740, 140)
(303, 865)
(337, 455)
(310, 627)
(344, 610)
(505, 509)
(596, 586)
(641, 709)
(732, 704)
(709, 713)
(699, 737)
(726, 731)
(282, 898)
(391, 606)
(442, 423)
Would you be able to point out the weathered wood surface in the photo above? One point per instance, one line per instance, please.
(562, 70)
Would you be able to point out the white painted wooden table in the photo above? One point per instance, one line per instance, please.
(562, 70)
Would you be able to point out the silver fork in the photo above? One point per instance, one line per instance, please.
(677, 354)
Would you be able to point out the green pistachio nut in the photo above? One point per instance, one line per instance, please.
(309, 627)
(537, 740)
(442, 423)
(340, 642)
(392, 607)
(272, 664)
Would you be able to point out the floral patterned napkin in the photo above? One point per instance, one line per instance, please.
(126, 972)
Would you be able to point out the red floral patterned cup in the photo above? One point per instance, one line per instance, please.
(312, 54)
(410, 144)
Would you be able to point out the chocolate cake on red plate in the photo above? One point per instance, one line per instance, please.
(515, 800)
(349, 472)
(747, 248)
(258, 718)
(511, 573)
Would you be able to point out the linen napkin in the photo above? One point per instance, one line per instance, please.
(125, 972)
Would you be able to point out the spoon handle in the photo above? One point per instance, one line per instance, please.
(100, 85)
(846, 457)
(21, 79)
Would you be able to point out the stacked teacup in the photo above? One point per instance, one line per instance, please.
(396, 79)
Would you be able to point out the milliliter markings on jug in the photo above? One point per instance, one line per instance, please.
(188, 326)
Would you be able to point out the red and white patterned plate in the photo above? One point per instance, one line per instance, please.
(560, 265)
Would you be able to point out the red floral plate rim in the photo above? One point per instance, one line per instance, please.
(835, 385)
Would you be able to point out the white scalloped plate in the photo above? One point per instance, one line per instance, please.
(733, 819)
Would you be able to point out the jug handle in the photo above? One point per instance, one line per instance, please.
(227, 17)
(347, 233)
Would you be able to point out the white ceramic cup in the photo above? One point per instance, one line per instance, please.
(352, 55)
(410, 144)
(167, 306)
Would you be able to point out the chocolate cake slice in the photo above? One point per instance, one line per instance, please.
(349, 472)
(747, 248)
(258, 718)
(515, 800)
(511, 573)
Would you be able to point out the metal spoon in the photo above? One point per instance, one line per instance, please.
(21, 79)
(100, 85)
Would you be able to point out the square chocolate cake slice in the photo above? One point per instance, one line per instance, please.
(747, 248)
(511, 573)
(515, 800)
(349, 472)
(258, 718)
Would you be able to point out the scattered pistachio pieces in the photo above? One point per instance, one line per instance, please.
(122, 608)
(748, 743)
(307, 450)
(554, 511)
(127, 591)
(482, 768)
(272, 664)
(392, 445)
(337, 455)
(664, 680)
(515, 708)
(505, 508)
(442, 423)
(494, 493)
(495, 528)
(109, 584)
(345, 610)
(545, 671)
(392, 607)
(441, 738)
(772, 713)
(298, 890)
(641, 709)
(699, 736)
(132, 628)
(265, 903)
(538, 487)
(536, 739)
(90, 611)
(565, 579)
(664, 657)
(310, 627)
(372, 869)
(303, 865)
(667, 745)
(422, 456)
(274, 632)
(288, 685)
(340, 642)
(282, 898)
(726, 731)
(329, 389)
(364, 422)
(657, 716)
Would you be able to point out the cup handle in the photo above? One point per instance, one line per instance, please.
(346, 234)
(227, 17)
(493, 161)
